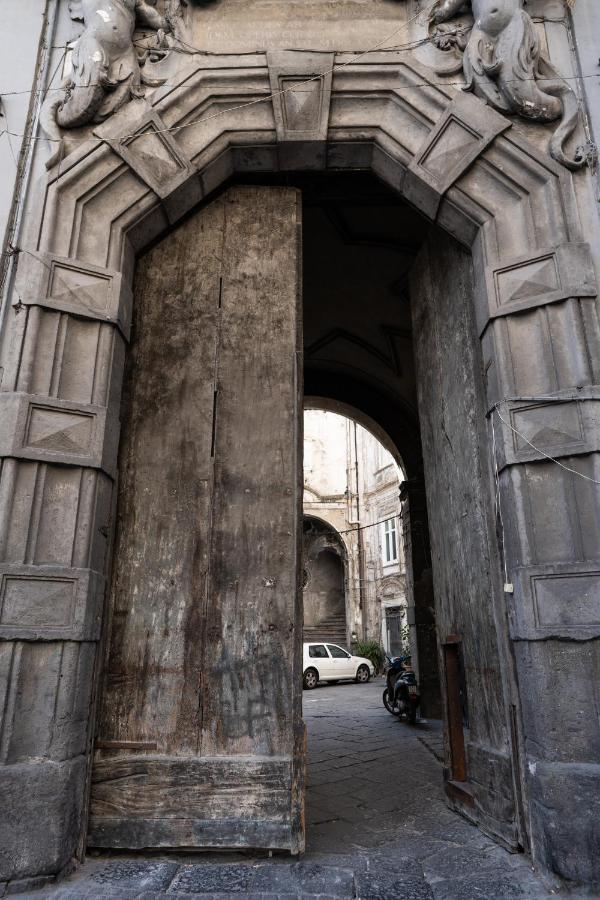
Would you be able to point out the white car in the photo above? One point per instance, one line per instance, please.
(328, 662)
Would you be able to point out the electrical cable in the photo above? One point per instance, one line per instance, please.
(23, 163)
(362, 527)
(540, 451)
(267, 97)
(14, 250)
(580, 397)
(9, 134)
(416, 84)
(294, 88)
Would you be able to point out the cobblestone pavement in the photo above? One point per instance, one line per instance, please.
(377, 828)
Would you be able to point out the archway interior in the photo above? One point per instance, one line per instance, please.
(389, 330)
(359, 245)
(360, 241)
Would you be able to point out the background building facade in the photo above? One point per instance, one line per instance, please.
(352, 483)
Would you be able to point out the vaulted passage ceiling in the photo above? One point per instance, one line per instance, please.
(359, 242)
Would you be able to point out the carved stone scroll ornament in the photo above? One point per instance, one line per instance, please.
(501, 59)
(107, 66)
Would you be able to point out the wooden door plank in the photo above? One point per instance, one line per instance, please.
(165, 802)
(204, 666)
(251, 610)
(153, 668)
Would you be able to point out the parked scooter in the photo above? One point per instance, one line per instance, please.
(401, 696)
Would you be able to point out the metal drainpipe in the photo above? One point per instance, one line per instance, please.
(361, 558)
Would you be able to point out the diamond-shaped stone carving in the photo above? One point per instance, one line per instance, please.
(141, 138)
(552, 275)
(51, 430)
(54, 429)
(42, 602)
(71, 286)
(550, 436)
(560, 600)
(548, 425)
(153, 153)
(452, 144)
(529, 280)
(561, 427)
(301, 104)
(567, 600)
(301, 86)
(464, 130)
(89, 289)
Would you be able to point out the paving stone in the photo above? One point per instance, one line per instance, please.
(443, 824)
(400, 867)
(129, 874)
(488, 887)
(85, 889)
(386, 886)
(306, 879)
(417, 846)
(206, 879)
(455, 862)
(219, 896)
(357, 861)
(378, 827)
(391, 804)
(226, 896)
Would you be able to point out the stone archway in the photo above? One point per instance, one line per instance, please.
(460, 164)
(325, 582)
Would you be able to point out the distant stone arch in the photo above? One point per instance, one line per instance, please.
(325, 564)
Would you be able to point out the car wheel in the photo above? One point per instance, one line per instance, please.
(362, 675)
(311, 679)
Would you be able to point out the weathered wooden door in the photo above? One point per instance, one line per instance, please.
(199, 740)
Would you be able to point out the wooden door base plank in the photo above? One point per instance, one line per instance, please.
(162, 801)
(228, 833)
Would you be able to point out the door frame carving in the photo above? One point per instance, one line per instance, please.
(501, 197)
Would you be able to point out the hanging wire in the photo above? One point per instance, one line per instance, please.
(538, 449)
(370, 525)
(417, 84)
(15, 250)
(335, 68)
(380, 45)
(171, 129)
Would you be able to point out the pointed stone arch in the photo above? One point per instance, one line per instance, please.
(455, 160)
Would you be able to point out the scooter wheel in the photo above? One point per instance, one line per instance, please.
(388, 705)
(412, 715)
